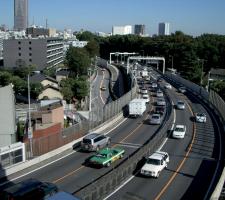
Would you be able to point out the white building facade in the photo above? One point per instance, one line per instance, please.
(122, 30)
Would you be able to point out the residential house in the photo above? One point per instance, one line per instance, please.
(51, 87)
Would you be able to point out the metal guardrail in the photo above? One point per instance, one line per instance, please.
(216, 104)
(108, 182)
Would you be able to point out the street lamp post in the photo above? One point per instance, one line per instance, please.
(202, 63)
(30, 132)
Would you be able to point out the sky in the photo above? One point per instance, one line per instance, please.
(193, 17)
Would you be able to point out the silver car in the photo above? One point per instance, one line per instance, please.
(160, 102)
(155, 119)
(180, 105)
(94, 142)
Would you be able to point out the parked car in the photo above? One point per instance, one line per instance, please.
(168, 86)
(155, 119)
(160, 102)
(179, 131)
(182, 89)
(200, 117)
(155, 164)
(94, 142)
(180, 105)
(106, 157)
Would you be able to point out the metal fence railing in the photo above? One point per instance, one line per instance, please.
(97, 117)
(216, 104)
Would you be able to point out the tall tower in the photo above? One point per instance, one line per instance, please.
(20, 14)
(139, 29)
(164, 28)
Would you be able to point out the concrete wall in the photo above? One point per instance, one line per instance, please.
(7, 116)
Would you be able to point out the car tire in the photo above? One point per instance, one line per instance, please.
(157, 176)
(97, 148)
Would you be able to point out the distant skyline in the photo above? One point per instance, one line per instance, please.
(192, 17)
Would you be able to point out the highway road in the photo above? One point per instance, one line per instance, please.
(70, 173)
(192, 160)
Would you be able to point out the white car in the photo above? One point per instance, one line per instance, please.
(179, 131)
(154, 85)
(200, 117)
(155, 119)
(182, 89)
(160, 102)
(168, 86)
(146, 98)
(155, 164)
(180, 105)
(144, 91)
(159, 93)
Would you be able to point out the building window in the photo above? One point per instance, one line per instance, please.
(19, 54)
(30, 54)
(30, 48)
(19, 42)
(29, 42)
(30, 60)
(19, 48)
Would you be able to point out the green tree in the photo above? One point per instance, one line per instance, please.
(92, 48)
(5, 78)
(86, 36)
(80, 87)
(22, 72)
(77, 60)
(35, 90)
(66, 89)
(20, 85)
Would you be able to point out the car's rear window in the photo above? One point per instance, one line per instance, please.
(86, 141)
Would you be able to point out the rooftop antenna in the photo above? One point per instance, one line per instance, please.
(46, 23)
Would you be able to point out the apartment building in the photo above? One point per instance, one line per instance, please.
(42, 52)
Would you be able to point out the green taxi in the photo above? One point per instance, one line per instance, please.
(106, 156)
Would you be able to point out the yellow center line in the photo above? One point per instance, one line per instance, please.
(81, 167)
(72, 172)
(182, 162)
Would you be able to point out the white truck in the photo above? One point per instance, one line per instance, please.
(144, 73)
(137, 107)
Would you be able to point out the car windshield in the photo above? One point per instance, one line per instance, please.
(179, 129)
(101, 155)
(180, 103)
(155, 117)
(201, 115)
(153, 161)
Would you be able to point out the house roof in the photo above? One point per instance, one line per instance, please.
(52, 106)
(37, 78)
(63, 72)
(217, 71)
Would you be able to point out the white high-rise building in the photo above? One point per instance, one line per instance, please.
(164, 28)
(122, 30)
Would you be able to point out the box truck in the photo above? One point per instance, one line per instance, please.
(137, 107)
